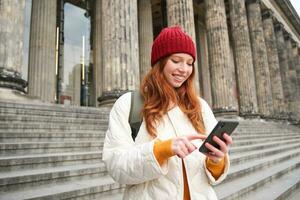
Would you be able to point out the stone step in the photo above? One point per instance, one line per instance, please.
(96, 114)
(263, 145)
(50, 119)
(30, 161)
(255, 122)
(294, 195)
(48, 131)
(262, 126)
(265, 136)
(52, 114)
(36, 125)
(258, 140)
(243, 157)
(81, 189)
(18, 106)
(280, 189)
(239, 187)
(35, 177)
(110, 195)
(65, 136)
(24, 148)
(255, 131)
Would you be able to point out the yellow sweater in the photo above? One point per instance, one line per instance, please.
(163, 151)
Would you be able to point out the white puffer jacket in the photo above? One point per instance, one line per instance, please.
(134, 164)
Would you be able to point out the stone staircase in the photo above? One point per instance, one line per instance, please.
(54, 152)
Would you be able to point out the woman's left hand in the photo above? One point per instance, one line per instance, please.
(215, 154)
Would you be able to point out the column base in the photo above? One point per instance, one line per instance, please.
(268, 117)
(12, 80)
(227, 112)
(109, 97)
(10, 95)
(294, 120)
(250, 115)
(281, 117)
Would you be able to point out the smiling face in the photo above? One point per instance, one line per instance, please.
(178, 69)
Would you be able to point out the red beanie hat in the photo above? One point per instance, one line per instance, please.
(172, 40)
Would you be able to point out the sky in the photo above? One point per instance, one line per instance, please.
(296, 5)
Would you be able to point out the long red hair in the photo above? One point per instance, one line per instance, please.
(158, 95)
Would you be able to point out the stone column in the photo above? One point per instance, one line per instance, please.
(284, 66)
(181, 12)
(202, 56)
(243, 58)
(219, 58)
(292, 79)
(260, 59)
(295, 57)
(121, 51)
(145, 36)
(97, 49)
(273, 62)
(11, 44)
(42, 61)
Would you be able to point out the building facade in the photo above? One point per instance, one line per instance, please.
(89, 52)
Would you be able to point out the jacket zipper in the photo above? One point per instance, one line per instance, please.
(181, 161)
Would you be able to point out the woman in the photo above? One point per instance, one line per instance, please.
(163, 161)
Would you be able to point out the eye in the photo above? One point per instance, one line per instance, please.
(190, 64)
(175, 61)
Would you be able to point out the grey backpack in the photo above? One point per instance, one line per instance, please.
(135, 120)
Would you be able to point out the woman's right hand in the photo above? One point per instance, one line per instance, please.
(182, 146)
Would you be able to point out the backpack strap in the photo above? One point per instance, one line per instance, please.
(135, 119)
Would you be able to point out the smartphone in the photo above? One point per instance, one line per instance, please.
(221, 128)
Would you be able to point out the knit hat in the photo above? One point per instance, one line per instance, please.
(172, 40)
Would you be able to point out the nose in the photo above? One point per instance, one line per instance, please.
(183, 67)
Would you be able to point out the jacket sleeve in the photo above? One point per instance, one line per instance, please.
(209, 122)
(127, 162)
